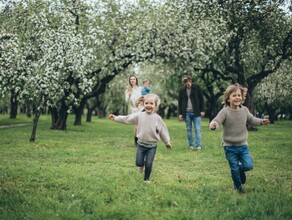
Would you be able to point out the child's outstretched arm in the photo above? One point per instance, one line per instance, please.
(131, 119)
(112, 117)
(218, 120)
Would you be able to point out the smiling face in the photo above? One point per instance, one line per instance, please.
(133, 81)
(149, 105)
(235, 99)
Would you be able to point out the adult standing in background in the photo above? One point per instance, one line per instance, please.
(191, 110)
(132, 93)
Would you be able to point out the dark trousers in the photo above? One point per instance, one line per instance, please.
(145, 157)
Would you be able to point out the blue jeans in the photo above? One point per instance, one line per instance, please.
(239, 160)
(145, 157)
(196, 120)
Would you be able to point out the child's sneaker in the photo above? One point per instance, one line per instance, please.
(190, 148)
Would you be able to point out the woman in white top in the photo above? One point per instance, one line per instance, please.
(132, 94)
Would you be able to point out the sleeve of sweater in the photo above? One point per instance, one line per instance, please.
(219, 119)
(131, 119)
(251, 119)
(164, 135)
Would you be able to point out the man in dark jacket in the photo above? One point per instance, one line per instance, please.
(191, 109)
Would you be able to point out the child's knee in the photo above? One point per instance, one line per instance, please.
(139, 164)
(248, 167)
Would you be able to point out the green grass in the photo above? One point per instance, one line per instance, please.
(88, 172)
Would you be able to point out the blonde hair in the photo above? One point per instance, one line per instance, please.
(141, 100)
(233, 88)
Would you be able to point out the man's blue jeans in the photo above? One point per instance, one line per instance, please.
(239, 160)
(196, 120)
(145, 157)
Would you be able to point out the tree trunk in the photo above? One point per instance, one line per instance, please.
(78, 115)
(102, 113)
(290, 112)
(161, 109)
(37, 113)
(14, 105)
(35, 123)
(272, 113)
(171, 111)
(61, 122)
(249, 101)
(212, 109)
(79, 112)
(28, 109)
(89, 114)
(250, 106)
(54, 116)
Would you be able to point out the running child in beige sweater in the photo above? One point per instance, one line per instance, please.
(234, 117)
(150, 128)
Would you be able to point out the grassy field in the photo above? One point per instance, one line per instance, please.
(88, 172)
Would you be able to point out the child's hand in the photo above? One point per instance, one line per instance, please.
(213, 126)
(111, 117)
(168, 146)
(265, 121)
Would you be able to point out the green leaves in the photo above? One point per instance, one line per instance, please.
(276, 88)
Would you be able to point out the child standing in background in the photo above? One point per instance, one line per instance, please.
(146, 88)
(234, 117)
(132, 93)
(150, 128)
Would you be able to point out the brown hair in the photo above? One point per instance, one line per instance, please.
(233, 88)
(186, 78)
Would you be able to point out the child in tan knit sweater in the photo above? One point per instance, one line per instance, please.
(234, 117)
(150, 128)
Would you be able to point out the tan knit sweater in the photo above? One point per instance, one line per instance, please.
(234, 125)
(150, 127)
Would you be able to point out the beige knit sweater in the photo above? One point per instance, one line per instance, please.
(150, 127)
(234, 123)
